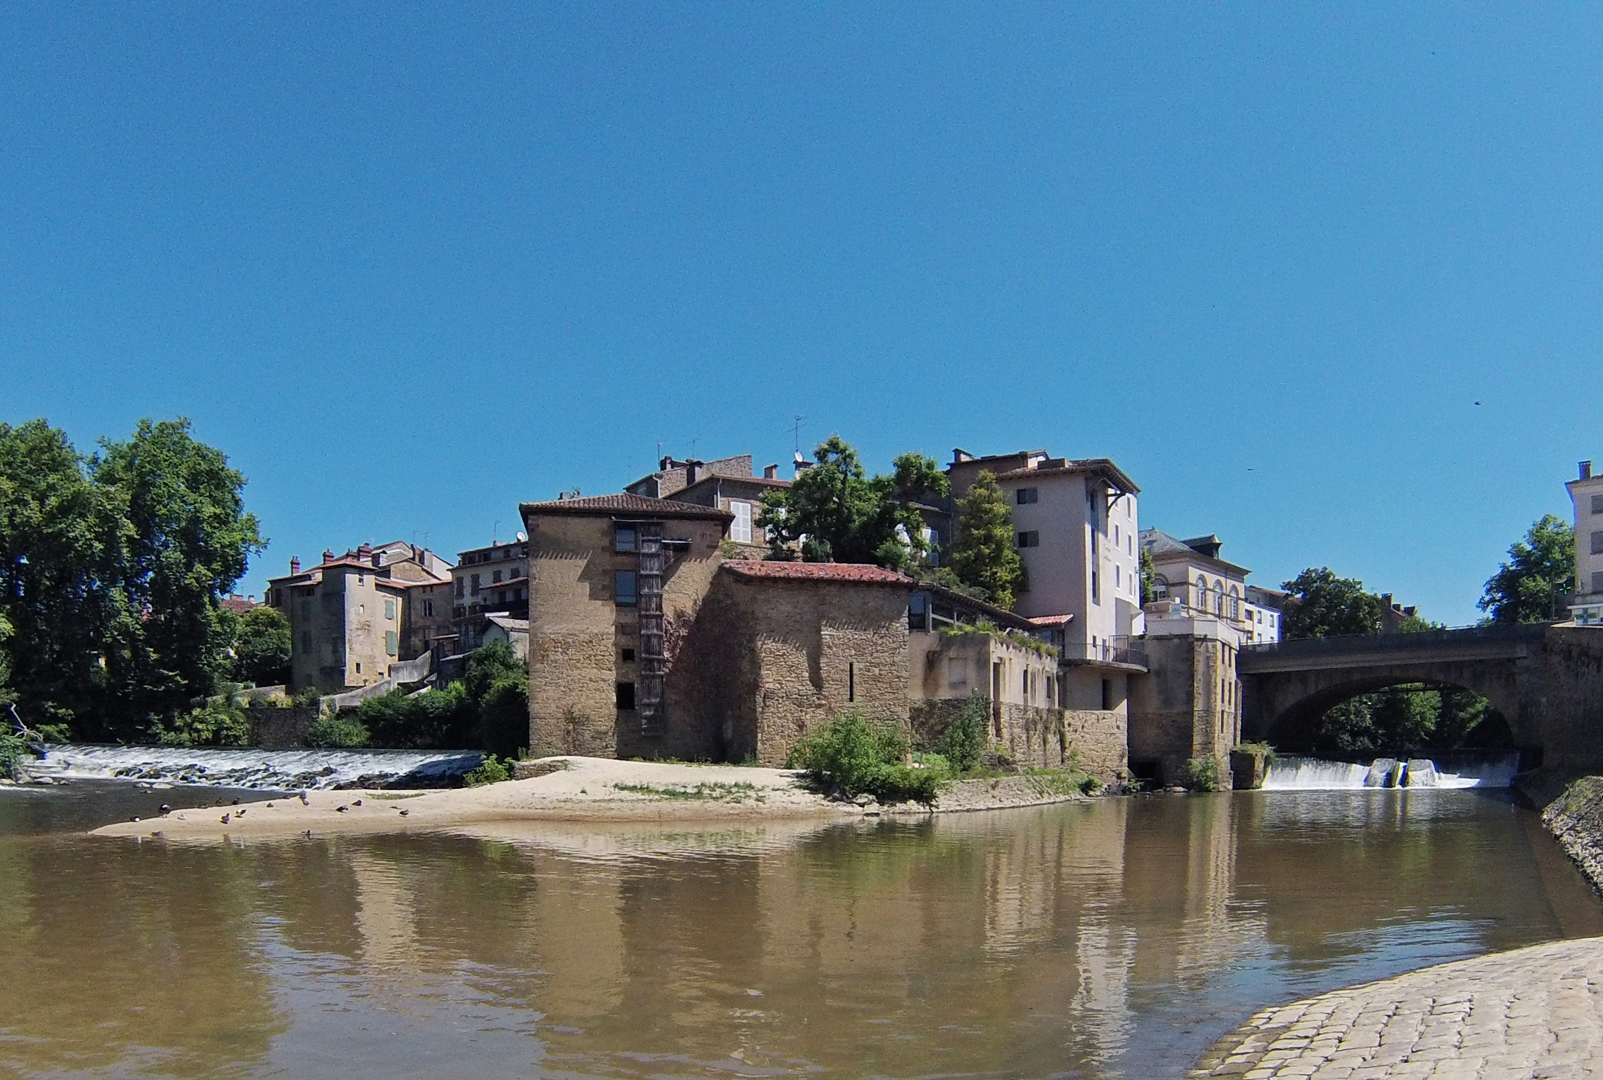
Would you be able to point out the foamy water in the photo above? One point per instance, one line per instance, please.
(280, 770)
(1494, 769)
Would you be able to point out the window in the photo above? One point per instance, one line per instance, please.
(461, 587)
(428, 607)
(1116, 581)
(628, 656)
(851, 682)
(956, 671)
(1597, 543)
(623, 538)
(306, 609)
(501, 597)
(474, 586)
(1597, 504)
(1597, 581)
(932, 547)
(306, 643)
(1025, 496)
(1160, 588)
(1107, 695)
(358, 667)
(1030, 539)
(626, 696)
(623, 588)
(389, 609)
(495, 578)
(389, 642)
(740, 528)
(918, 612)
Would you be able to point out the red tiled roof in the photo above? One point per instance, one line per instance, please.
(856, 573)
(760, 481)
(625, 504)
(1107, 469)
(1052, 620)
(238, 604)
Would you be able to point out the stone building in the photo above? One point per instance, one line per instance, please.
(1189, 703)
(741, 496)
(673, 476)
(960, 648)
(1586, 492)
(353, 615)
(615, 580)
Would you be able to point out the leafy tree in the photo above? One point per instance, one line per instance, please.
(181, 539)
(262, 647)
(984, 552)
(836, 512)
(1149, 575)
(54, 530)
(499, 682)
(1324, 605)
(1539, 571)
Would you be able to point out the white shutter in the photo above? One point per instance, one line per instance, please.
(740, 528)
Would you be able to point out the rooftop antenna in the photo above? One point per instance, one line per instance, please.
(795, 432)
(693, 443)
(495, 530)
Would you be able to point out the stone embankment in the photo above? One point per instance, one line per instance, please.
(1575, 818)
(1535, 1012)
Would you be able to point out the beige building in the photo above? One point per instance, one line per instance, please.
(1192, 573)
(353, 615)
(1586, 492)
(1189, 706)
(491, 580)
(1076, 527)
(741, 496)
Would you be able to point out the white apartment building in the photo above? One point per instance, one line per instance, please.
(1076, 527)
(490, 580)
(1586, 492)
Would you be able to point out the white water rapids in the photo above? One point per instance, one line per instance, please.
(1459, 770)
(245, 767)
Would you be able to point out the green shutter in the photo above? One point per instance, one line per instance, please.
(389, 642)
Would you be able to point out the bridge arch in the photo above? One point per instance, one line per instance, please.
(1298, 720)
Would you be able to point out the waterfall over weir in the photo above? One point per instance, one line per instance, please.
(1456, 769)
(282, 770)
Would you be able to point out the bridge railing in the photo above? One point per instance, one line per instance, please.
(1491, 633)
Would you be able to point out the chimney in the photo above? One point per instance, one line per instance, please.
(770, 472)
(1586, 470)
(294, 564)
(328, 554)
(959, 455)
(802, 464)
(693, 471)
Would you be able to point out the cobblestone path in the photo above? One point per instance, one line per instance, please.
(1530, 1013)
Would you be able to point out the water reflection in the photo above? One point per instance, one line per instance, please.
(1109, 939)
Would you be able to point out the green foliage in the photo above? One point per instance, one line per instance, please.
(985, 551)
(13, 751)
(337, 731)
(1262, 749)
(1324, 605)
(1540, 571)
(860, 756)
(490, 771)
(707, 790)
(1149, 574)
(1408, 717)
(111, 572)
(966, 738)
(216, 723)
(1201, 774)
(488, 708)
(262, 647)
(847, 516)
(306, 697)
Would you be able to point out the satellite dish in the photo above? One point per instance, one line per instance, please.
(522, 536)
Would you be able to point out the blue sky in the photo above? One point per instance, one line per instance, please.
(409, 265)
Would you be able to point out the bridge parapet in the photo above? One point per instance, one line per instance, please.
(1495, 642)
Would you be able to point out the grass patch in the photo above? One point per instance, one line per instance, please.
(706, 791)
(392, 796)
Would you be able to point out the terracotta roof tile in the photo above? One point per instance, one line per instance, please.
(1051, 620)
(625, 504)
(856, 573)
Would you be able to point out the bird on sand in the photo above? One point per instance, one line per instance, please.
(304, 800)
(307, 834)
(165, 809)
(224, 819)
(341, 809)
(269, 806)
(405, 812)
(357, 802)
(241, 813)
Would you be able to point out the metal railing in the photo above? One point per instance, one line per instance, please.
(1115, 650)
(1423, 639)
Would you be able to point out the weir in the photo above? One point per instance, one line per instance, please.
(1442, 769)
(273, 770)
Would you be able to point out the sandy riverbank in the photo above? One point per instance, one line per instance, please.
(581, 789)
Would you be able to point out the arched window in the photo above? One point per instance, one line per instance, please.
(1235, 603)
(1202, 594)
(1160, 587)
(1218, 598)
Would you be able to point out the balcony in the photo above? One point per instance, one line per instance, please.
(1122, 650)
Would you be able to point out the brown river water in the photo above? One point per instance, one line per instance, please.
(1116, 938)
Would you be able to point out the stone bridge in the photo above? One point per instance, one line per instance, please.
(1547, 681)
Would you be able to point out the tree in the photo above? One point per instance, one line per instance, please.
(984, 552)
(55, 527)
(836, 512)
(262, 647)
(1324, 605)
(182, 539)
(1540, 571)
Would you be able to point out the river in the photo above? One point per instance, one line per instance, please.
(1115, 938)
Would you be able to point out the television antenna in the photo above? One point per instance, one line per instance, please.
(795, 433)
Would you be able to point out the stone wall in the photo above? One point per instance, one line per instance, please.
(1176, 710)
(274, 727)
(1038, 738)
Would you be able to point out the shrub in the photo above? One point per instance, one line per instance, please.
(863, 757)
(336, 731)
(490, 771)
(965, 739)
(306, 697)
(1263, 749)
(1201, 774)
(12, 751)
(213, 724)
